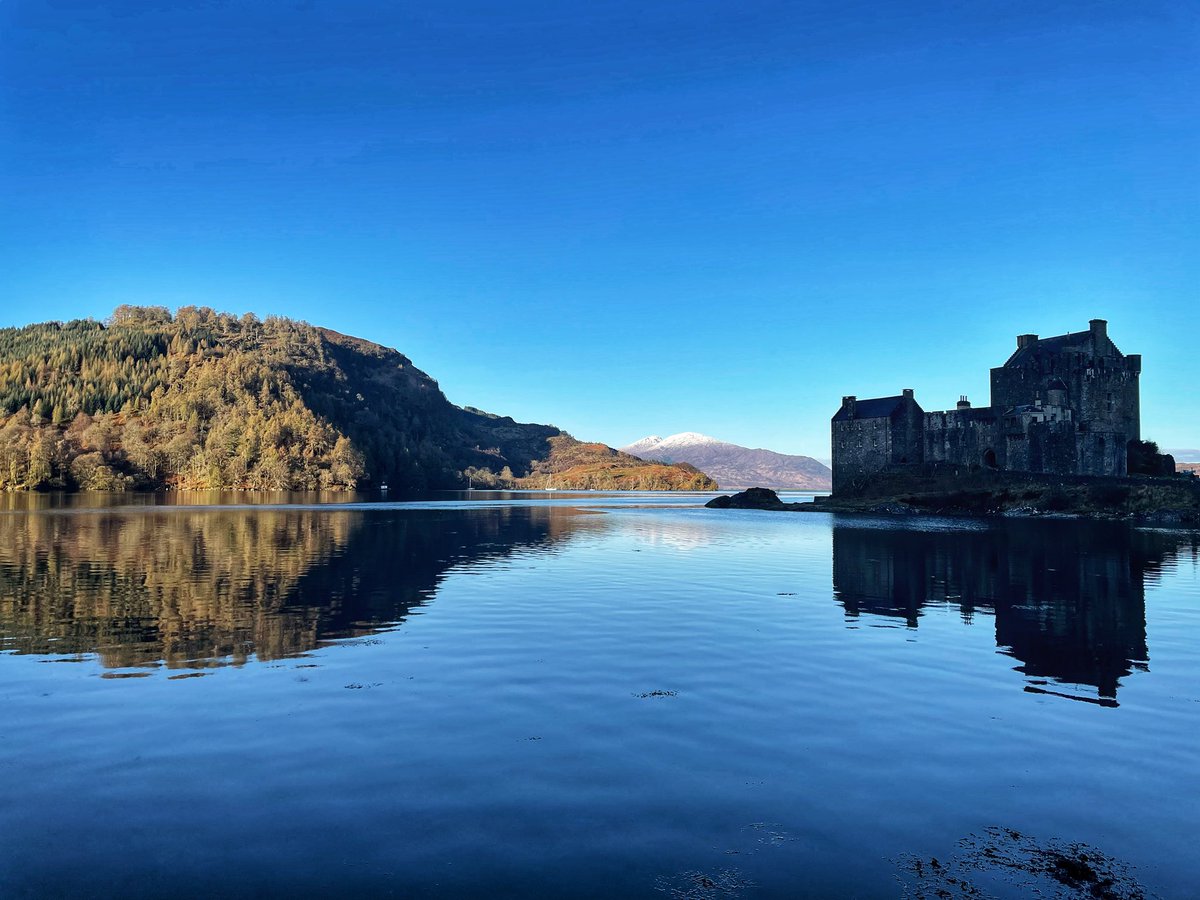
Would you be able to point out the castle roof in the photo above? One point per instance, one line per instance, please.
(1074, 340)
(876, 408)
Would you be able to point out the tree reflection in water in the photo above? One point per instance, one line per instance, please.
(197, 588)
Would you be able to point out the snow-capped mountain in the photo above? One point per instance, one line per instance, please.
(734, 466)
(646, 444)
(681, 441)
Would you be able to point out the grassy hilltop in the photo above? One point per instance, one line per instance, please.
(573, 465)
(205, 400)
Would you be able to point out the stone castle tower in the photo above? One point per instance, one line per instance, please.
(1064, 405)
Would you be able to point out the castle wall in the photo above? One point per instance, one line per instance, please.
(1108, 397)
(908, 434)
(1101, 453)
(964, 437)
(1044, 446)
(1101, 384)
(863, 445)
(1104, 392)
(1044, 440)
(860, 447)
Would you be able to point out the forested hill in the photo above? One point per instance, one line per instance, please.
(202, 399)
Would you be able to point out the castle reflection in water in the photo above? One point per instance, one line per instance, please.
(1068, 598)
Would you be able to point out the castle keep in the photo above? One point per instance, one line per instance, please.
(1063, 405)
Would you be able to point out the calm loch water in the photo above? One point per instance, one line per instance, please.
(585, 696)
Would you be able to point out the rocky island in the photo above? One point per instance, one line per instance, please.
(1062, 436)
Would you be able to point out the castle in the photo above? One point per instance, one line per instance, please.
(1064, 405)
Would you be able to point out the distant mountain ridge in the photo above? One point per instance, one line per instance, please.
(1186, 460)
(734, 466)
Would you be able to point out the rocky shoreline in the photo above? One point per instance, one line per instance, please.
(1157, 502)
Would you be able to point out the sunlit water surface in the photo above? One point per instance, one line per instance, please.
(579, 695)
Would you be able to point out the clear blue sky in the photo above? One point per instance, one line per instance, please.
(624, 217)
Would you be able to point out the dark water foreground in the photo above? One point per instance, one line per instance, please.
(587, 697)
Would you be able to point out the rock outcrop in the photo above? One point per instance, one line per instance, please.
(752, 498)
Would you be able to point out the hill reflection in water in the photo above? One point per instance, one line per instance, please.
(196, 588)
(1069, 598)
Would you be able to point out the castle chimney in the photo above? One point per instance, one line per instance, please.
(1099, 328)
(908, 392)
(848, 404)
(963, 402)
(1024, 340)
